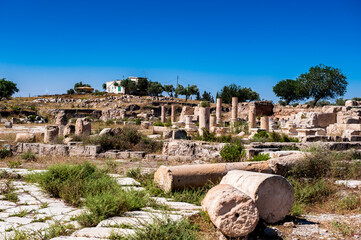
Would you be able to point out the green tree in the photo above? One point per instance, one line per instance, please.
(7, 88)
(340, 102)
(155, 88)
(190, 90)
(80, 84)
(179, 90)
(104, 86)
(142, 87)
(169, 89)
(288, 90)
(129, 86)
(323, 82)
(243, 94)
(70, 91)
(207, 96)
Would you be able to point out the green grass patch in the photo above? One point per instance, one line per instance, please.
(260, 157)
(29, 156)
(86, 185)
(163, 228)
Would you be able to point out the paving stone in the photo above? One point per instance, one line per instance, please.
(18, 209)
(56, 210)
(19, 220)
(151, 215)
(36, 226)
(349, 183)
(101, 232)
(131, 188)
(27, 199)
(126, 181)
(116, 221)
(6, 225)
(4, 203)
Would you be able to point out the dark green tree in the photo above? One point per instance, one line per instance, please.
(169, 89)
(179, 90)
(323, 82)
(129, 86)
(70, 91)
(142, 87)
(104, 86)
(7, 88)
(207, 96)
(289, 90)
(155, 88)
(80, 84)
(190, 90)
(243, 94)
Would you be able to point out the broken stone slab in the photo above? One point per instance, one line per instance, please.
(105, 131)
(25, 137)
(170, 178)
(273, 194)
(233, 212)
(124, 181)
(349, 183)
(8, 125)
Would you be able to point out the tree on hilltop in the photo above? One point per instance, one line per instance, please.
(244, 94)
(7, 88)
(322, 82)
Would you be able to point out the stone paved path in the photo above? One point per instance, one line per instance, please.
(37, 211)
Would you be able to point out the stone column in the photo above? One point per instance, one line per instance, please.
(162, 116)
(219, 110)
(252, 118)
(265, 123)
(173, 113)
(212, 121)
(203, 119)
(234, 109)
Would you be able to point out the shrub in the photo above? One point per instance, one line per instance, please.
(158, 124)
(5, 153)
(349, 202)
(109, 122)
(232, 152)
(326, 163)
(211, 137)
(261, 157)
(316, 190)
(29, 156)
(205, 104)
(130, 139)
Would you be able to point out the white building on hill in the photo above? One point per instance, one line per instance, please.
(114, 86)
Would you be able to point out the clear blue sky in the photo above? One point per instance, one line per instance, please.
(46, 46)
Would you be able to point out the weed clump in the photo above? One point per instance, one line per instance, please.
(5, 153)
(232, 152)
(29, 156)
(263, 136)
(261, 157)
(163, 228)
